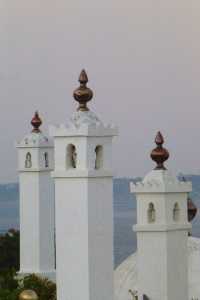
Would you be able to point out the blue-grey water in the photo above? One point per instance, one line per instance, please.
(124, 214)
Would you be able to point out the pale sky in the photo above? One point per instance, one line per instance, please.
(143, 61)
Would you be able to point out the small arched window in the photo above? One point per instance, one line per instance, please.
(46, 159)
(176, 212)
(71, 159)
(28, 161)
(151, 213)
(99, 157)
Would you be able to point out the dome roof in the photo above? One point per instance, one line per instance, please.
(85, 117)
(126, 275)
(35, 139)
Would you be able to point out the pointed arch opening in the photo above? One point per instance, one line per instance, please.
(46, 159)
(99, 157)
(71, 157)
(151, 213)
(176, 212)
(28, 161)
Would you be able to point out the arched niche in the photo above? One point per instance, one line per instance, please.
(151, 213)
(71, 157)
(176, 212)
(46, 159)
(99, 157)
(28, 161)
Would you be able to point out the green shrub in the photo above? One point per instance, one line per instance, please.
(8, 285)
(9, 250)
(7, 280)
(9, 295)
(10, 288)
(45, 289)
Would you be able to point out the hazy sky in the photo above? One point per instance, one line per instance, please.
(143, 61)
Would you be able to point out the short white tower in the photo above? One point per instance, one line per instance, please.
(162, 232)
(84, 203)
(37, 247)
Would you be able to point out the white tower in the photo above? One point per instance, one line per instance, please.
(37, 247)
(84, 204)
(162, 232)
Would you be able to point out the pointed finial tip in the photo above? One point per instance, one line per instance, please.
(83, 94)
(83, 78)
(36, 122)
(159, 140)
(159, 154)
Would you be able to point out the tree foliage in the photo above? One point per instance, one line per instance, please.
(10, 287)
(9, 250)
(45, 289)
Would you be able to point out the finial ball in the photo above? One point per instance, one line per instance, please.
(83, 94)
(28, 295)
(159, 154)
(36, 122)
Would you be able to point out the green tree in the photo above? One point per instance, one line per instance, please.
(10, 288)
(9, 250)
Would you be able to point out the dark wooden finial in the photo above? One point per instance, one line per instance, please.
(159, 154)
(83, 94)
(36, 122)
(191, 207)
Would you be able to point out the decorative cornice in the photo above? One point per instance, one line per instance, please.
(161, 181)
(94, 130)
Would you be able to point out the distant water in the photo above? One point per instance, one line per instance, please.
(124, 237)
(125, 242)
(124, 214)
(3, 232)
(124, 218)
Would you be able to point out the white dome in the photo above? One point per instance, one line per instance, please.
(126, 274)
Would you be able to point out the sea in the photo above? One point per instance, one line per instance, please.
(124, 237)
(124, 214)
(3, 231)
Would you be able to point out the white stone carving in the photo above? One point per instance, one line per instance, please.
(34, 139)
(87, 117)
(158, 181)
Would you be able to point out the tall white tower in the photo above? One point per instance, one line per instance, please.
(162, 232)
(37, 247)
(84, 203)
